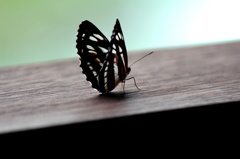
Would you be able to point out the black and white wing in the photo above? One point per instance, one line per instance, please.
(92, 48)
(115, 69)
(118, 48)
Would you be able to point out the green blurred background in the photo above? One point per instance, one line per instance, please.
(42, 30)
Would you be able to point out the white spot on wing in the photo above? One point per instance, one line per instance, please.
(120, 49)
(94, 73)
(97, 60)
(105, 74)
(114, 51)
(105, 80)
(116, 76)
(98, 36)
(103, 49)
(93, 38)
(117, 38)
(90, 47)
(120, 36)
(114, 46)
(91, 68)
(92, 52)
(122, 59)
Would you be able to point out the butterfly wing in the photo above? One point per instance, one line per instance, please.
(92, 48)
(118, 48)
(115, 68)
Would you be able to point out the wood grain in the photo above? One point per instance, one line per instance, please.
(56, 93)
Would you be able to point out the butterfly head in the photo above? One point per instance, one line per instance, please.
(128, 70)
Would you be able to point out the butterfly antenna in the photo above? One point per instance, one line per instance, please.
(141, 58)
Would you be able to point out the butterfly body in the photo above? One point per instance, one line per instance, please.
(104, 63)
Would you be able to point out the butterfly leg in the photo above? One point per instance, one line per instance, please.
(134, 82)
(123, 86)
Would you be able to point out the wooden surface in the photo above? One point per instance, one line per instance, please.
(56, 93)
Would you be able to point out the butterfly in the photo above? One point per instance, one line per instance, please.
(104, 63)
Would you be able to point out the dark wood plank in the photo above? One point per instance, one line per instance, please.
(56, 93)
